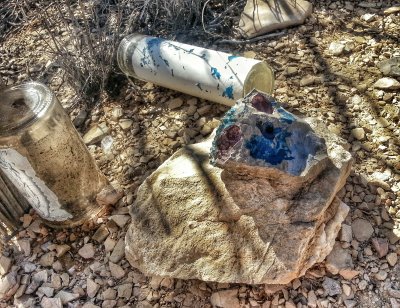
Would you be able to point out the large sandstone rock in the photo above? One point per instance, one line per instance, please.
(263, 16)
(256, 217)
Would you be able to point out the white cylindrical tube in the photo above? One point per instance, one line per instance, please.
(209, 74)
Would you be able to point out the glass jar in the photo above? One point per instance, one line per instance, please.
(44, 157)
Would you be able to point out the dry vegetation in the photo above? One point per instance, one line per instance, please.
(86, 54)
(71, 46)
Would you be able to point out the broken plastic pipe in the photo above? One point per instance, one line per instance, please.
(209, 74)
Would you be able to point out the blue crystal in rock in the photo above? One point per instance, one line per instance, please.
(271, 146)
(257, 131)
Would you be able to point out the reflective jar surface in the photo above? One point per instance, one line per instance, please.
(44, 157)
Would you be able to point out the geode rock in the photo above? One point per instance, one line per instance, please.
(264, 214)
(261, 134)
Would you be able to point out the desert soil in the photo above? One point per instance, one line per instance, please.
(85, 266)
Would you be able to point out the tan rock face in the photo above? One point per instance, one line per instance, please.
(260, 17)
(192, 220)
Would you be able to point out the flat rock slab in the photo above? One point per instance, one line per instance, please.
(193, 220)
(260, 17)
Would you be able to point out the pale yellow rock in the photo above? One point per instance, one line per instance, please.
(260, 17)
(192, 220)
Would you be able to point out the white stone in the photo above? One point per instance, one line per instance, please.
(331, 286)
(25, 246)
(381, 176)
(392, 258)
(338, 259)
(120, 220)
(390, 67)
(381, 275)
(118, 252)
(24, 301)
(109, 244)
(5, 264)
(125, 124)
(349, 303)
(40, 276)
(7, 282)
(28, 267)
(346, 289)
(225, 299)
(51, 302)
(358, 133)
(116, 113)
(393, 292)
(346, 233)
(124, 290)
(87, 251)
(66, 297)
(116, 270)
(391, 10)
(312, 299)
(289, 304)
(48, 291)
(362, 229)
(109, 294)
(96, 133)
(368, 17)
(367, 4)
(113, 303)
(387, 83)
(336, 48)
(91, 288)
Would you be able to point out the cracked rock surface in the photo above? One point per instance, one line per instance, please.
(248, 223)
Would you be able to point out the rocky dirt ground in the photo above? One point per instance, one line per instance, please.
(326, 68)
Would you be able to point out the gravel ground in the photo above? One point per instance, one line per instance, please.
(327, 68)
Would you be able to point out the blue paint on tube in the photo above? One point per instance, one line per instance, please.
(154, 42)
(215, 73)
(153, 46)
(228, 92)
